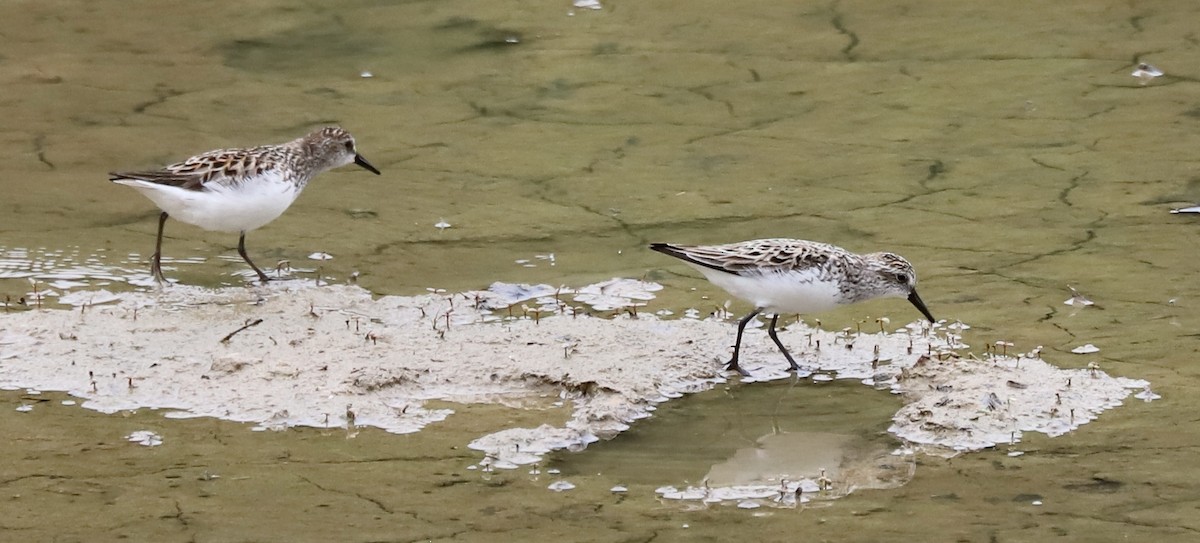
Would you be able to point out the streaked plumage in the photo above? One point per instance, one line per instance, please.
(238, 190)
(797, 276)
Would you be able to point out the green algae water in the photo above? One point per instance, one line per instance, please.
(1004, 149)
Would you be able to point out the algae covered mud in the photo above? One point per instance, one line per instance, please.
(292, 354)
(1005, 149)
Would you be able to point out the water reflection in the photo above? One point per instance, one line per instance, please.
(773, 444)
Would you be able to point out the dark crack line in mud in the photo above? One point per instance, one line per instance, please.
(840, 26)
(369, 499)
(161, 95)
(942, 212)
(752, 126)
(484, 112)
(178, 516)
(1064, 195)
(617, 153)
(39, 147)
(907, 199)
(1104, 111)
(1152, 265)
(1019, 281)
(703, 93)
(31, 476)
(1045, 165)
(1065, 330)
(629, 229)
(1090, 235)
(936, 170)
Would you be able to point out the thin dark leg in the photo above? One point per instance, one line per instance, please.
(737, 346)
(782, 349)
(242, 251)
(156, 260)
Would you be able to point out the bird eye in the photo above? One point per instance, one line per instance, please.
(901, 278)
(350, 146)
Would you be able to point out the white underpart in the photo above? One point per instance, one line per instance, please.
(223, 208)
(779, 292)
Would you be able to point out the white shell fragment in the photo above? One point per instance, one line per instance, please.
(1147, 395)
(1086, 349)
(145, 438)
(1146, 73)
(617, 293)
(1077, 299)
(560, 486)
(320, 256)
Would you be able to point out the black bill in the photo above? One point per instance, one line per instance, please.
(358, 159)
(916, 300)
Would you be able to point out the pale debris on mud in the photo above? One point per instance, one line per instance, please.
(337, 356)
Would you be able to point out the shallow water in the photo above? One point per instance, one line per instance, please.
(1006, 151)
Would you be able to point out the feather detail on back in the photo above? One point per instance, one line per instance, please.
(223, 166)
(760, 256)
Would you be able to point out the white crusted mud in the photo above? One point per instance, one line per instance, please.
(291, 354)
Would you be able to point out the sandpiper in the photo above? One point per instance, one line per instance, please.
(238, 190)
(797, 276)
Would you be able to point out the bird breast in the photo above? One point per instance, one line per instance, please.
(805, 291)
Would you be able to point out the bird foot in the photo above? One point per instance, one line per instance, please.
(732, 365)
(156, 271)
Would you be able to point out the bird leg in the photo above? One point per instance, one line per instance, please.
(737, 346)
(156, 260)
(782, 349)
(242, 251)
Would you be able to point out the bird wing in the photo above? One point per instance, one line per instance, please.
(225, 167)
(755, 257)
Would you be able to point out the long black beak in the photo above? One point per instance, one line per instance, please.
(358, 159)
(916, 300)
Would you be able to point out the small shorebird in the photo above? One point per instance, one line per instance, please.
(797, 276)
(238, 190)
